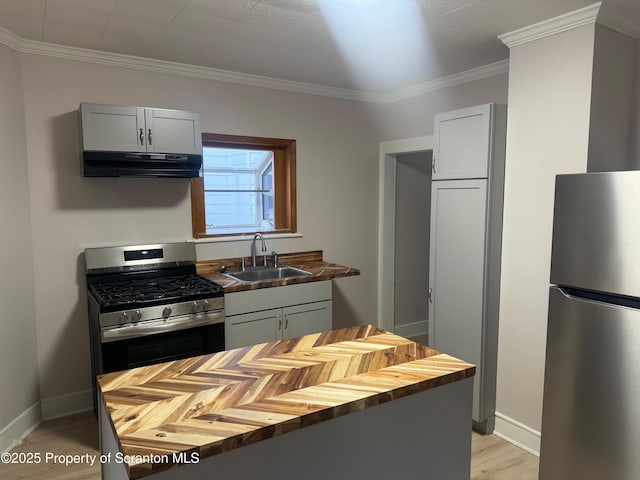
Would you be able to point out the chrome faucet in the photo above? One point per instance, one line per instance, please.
(253, 248)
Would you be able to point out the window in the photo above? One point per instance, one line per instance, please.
(246, 185)
(266, 188)
(237, 190)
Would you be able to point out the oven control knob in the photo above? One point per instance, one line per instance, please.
(166, 311)
(137, 315)
(124, 316)
(194, 306)
(205, 305)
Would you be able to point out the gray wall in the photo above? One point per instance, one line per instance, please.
(611, 142)
(414, 117)
(547, 134)
(18, 357)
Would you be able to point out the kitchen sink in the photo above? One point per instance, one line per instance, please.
(257, 274)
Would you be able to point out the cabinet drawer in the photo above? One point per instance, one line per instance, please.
(276, 297)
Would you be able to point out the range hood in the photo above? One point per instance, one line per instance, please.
(129, 141)
(138, 164)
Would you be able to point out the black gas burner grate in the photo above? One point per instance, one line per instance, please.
(142, 292)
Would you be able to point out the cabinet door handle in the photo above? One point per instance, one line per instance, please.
(433, 164)
(141, 137)
(279, 323)
(286, 322)
(150, 138)
(430, 295)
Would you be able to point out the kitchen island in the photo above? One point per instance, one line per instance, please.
(351, 403)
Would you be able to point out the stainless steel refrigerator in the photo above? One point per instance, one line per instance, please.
(591, 403)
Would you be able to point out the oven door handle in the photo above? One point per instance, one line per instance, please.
(161, 326)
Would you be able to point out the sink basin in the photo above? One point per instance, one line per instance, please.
(254, 275)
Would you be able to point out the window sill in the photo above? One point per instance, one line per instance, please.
(245, 238)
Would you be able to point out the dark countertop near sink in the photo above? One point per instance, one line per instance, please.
(311, 262)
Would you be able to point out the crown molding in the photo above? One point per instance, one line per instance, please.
(10, 39)
(186, 70)
(162, 66)
(559, 24)
(467, 76)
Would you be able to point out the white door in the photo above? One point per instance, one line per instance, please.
(456, 271)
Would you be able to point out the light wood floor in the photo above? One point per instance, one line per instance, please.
(492, 458)
(495, 459)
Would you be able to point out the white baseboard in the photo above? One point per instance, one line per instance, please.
(46, 409)
(63, 405)
(518, 434)
(20, 427)
(412, 329)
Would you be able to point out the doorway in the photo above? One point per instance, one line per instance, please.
(411, 259)
(403, 241)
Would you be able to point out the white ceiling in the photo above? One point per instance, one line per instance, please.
(374, 46)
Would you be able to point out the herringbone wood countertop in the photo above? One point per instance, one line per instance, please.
(214, 403)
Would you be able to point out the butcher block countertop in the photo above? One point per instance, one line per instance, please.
(311, 262)
(219, 402)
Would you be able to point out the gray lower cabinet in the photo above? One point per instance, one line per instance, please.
(277, 313)
(465, 245)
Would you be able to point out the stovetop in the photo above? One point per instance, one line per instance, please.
(147, 292)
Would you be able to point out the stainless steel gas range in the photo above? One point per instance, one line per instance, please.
(148, 305)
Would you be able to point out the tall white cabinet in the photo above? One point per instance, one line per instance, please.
(465, 244)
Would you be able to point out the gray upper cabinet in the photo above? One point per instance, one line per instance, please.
(465, 245)
(112, 128)
(136, 129)
(462, 143)
(172, 131)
